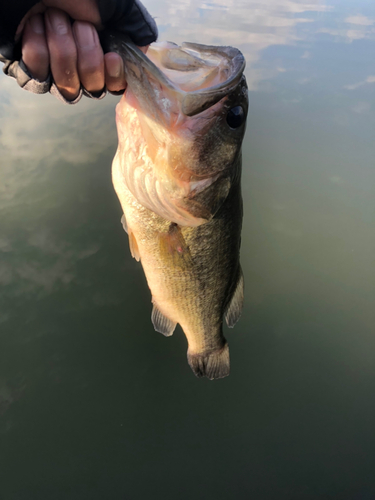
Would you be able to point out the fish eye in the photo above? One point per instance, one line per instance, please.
(235, 117)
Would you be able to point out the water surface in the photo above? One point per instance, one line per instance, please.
(93, 403)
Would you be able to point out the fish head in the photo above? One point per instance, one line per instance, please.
(181, 123)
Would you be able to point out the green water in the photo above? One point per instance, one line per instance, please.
(94, 404)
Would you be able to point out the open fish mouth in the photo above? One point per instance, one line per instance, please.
(177, 154)
(194, 75)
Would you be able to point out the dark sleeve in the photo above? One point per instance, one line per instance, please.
(129, 17)
(11, 14)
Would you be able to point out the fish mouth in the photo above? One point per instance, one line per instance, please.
(175, 98)
(206, 81)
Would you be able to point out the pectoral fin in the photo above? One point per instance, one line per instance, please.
(174, 247)
(234, 309)
(161, 323)
(133, 245)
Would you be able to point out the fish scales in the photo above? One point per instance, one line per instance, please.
(177, 175)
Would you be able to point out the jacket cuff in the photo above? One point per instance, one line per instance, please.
(129, 17)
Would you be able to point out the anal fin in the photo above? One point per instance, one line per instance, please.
(234, 309)
(161, 323)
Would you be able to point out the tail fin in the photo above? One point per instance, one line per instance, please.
(213, 364)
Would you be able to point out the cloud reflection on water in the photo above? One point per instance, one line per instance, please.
(360, 27)
(252, 26)
(35, 129)
(39, 127)
(354, 86)
(39, 136)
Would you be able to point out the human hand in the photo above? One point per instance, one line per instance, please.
(51, 44)
(72, 53)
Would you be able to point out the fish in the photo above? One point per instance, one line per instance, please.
(177, 174)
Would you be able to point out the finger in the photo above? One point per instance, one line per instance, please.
(63, 53)
(80, 10)
(35, 53)
(90, 56)
(39, 8)
(114, 72)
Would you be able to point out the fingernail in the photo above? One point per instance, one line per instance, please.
(58, 22)
(114, 69)
(37, 24)
(84, 35)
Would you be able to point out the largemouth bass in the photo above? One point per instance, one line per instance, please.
(177, 171)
